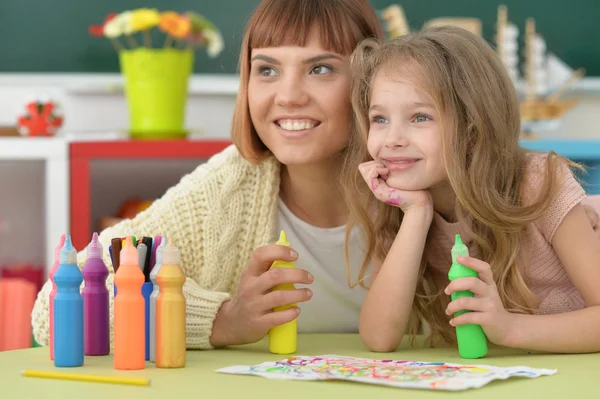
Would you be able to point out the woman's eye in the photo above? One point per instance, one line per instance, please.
(321, 69)
(266, 71)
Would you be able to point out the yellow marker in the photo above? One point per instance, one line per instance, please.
(283, 338)
(109, 379)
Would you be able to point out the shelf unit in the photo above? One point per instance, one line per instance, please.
(53, 151)
(82, 154)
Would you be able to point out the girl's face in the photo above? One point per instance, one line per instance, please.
(299, 101)
(405, 130)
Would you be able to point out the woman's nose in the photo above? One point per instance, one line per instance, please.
(292, 92)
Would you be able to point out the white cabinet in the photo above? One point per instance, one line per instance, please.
(34, 198)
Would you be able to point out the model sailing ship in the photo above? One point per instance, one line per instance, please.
(546, 78)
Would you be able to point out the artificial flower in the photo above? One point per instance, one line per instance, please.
(206, 33)
(175, 25)
(119, 25)
(214, 42)
(195, 38)
(199, 22)
(144, 18)
(98, 30)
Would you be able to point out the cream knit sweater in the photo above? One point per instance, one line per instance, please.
(217, 215)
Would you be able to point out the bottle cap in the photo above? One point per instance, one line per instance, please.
(159, 258)
(129, 255)
(68, 254)
(283, 239)
(459, 249)
(94, 249)
(59, 247)
(160, 249)
(171, 255)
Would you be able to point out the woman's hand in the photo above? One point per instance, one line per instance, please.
(486, 307)
(249, 315)
(375, 174)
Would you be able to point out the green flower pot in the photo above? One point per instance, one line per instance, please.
(156, 88)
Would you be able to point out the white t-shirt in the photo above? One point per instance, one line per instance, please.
(334, 306)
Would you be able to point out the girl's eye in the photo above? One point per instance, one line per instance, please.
(266, 71)
(378, 119)
(421, 118)
(320, 70)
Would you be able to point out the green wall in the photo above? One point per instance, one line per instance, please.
(52, 36)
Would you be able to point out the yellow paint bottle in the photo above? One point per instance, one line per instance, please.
(170, 310)
(283, 338)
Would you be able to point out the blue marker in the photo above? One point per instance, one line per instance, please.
(68, 309)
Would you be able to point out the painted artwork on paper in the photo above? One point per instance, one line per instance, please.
(396, 373)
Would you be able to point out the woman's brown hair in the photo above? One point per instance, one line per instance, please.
(342, 24)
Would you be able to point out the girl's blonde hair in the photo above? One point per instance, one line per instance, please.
(481, 153)
(342, 24)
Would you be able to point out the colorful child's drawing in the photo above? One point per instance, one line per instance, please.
(397, 373)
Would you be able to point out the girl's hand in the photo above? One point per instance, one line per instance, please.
(375, 175)
(486, 307)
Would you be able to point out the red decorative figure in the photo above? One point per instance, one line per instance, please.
(41, 119)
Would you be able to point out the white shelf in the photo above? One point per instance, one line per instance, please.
(32, 148)
(54, 151)
(90, 84)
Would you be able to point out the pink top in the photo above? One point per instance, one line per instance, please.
(546, 278)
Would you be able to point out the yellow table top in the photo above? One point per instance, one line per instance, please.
(577, 375)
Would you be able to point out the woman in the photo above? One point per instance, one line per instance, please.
(292, 120)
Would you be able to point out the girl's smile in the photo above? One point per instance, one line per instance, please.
(398, 164)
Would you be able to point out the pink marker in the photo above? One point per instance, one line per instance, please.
(53, 292)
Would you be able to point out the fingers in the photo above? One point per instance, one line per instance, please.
(373, 172)
(482, 268)
(469, 318)
(473, 284)
(274, 277)
(466, 303)
(263, 257)
(273, 319)
(285, 297)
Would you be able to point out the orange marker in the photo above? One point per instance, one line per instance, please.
(170, 310)
(129, 322)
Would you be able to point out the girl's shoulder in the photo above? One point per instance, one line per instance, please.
(551, 177)
(542, 169)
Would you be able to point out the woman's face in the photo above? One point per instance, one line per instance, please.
(299, 101)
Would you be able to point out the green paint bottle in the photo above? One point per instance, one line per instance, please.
(472, 341)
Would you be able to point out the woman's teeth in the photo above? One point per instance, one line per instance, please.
(294, 124)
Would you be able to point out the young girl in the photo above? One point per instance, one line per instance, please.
(438, 147)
